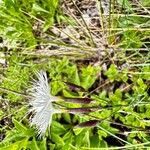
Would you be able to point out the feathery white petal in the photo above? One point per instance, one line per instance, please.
(41, 103)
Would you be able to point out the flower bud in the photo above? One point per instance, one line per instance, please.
(82, 110)
(79, 100)
(74, 87)
(90, 123)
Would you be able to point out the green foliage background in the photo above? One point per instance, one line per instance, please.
(124, 110)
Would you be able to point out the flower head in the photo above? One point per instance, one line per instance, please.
(41, 103)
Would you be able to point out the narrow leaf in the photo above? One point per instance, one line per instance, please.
(19, 126)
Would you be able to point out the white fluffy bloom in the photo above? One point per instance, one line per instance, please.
(41, 103)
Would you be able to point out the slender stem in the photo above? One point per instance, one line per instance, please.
(113, 135)
(91, 38)
(120, 147)
(14, 92)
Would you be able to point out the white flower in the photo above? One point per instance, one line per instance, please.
(41, 103)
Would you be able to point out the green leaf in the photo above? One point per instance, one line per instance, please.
(68, 140)
(94, 141)
(34, 145)
(112, 73)
(105, 113)
(82, 139)
(42, 144)
(57, 128)
(73, 75)
(48, 23)
(88, 76)
(38, 8)
(21, 144)
(132, 120)
(106, 125)
(141, 87)
(101, 134)
(116, 97)
(144, 75)
(57, 86)
(67, 117)
(124, 75)
(77, 131)
(103, 144)
(57, 140)
(24, 131)
(52, 146)
(70, 94)
(19, 126)
(61, 65)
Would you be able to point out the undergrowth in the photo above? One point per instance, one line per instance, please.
(104, 57)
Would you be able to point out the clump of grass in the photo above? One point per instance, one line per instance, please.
(20, 19)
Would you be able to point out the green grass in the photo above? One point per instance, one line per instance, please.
(109, 64)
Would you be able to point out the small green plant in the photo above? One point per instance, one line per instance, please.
(114, 109)
(19, 20)
(22, 137)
